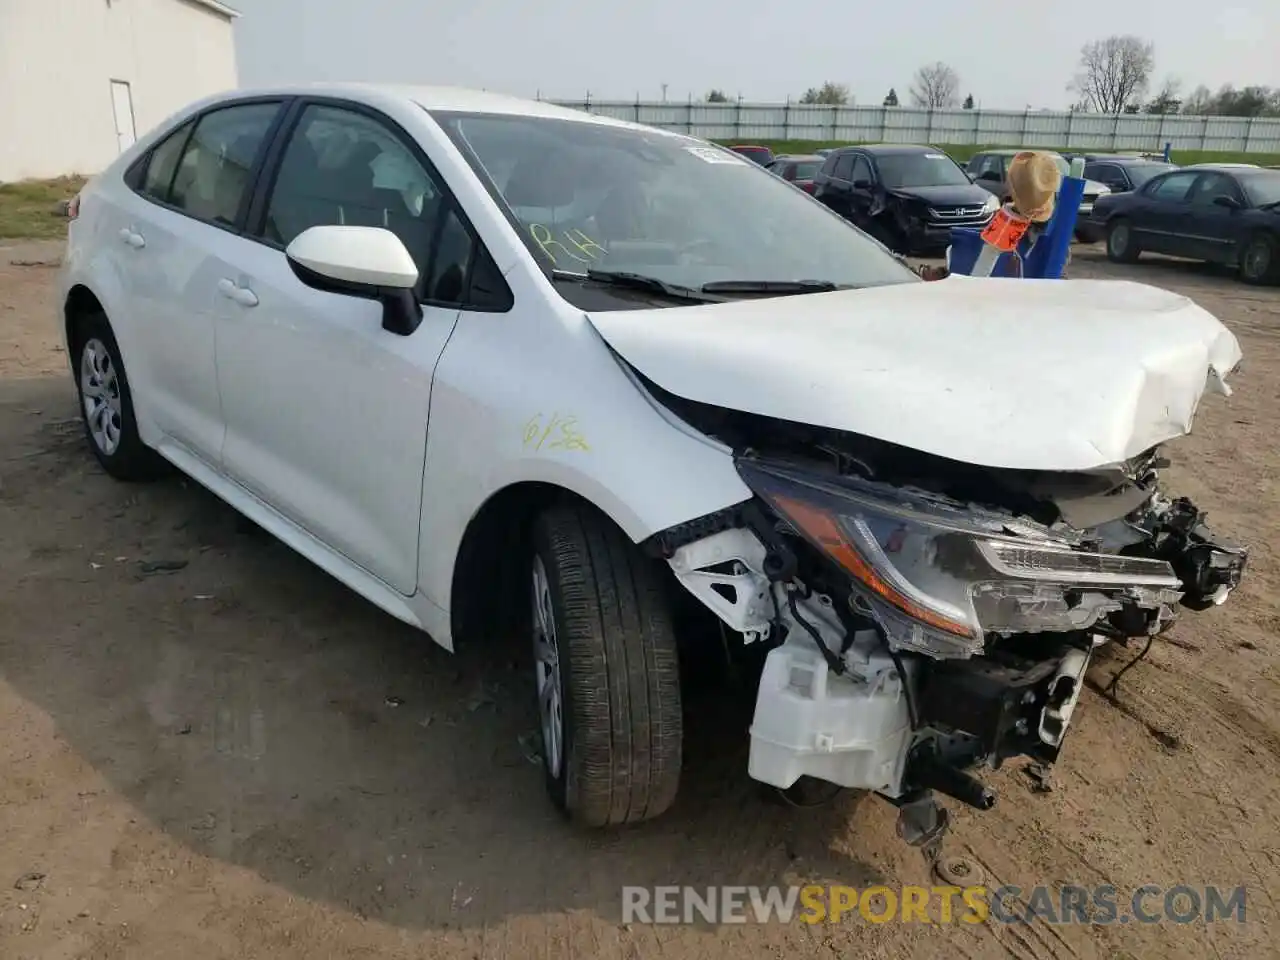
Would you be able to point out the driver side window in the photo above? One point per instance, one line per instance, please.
(345, 168)
(342, 167)
(861, 169)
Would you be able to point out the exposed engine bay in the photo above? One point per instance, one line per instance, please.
(927, 618)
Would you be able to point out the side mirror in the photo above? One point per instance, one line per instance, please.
(1224, 200)
(862, 184)
(367, 262)
(990, 176)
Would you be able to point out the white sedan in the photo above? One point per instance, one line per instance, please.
(498, 365)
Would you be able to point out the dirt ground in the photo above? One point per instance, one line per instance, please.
(242, 759)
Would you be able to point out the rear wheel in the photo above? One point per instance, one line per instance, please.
(1121, 247)
(106, 403)
(606, 671)
(1260, 260)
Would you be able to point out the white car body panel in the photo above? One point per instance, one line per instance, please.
(1037, 374)
(298, 410)
(370, 453)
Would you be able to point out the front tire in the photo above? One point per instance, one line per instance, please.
(607, 672)
(1121, 247)
(106, 403)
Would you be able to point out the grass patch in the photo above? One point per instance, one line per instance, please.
(27, 208)
(962, 152)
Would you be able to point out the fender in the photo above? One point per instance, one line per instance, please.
(101, 276)
(504, 412)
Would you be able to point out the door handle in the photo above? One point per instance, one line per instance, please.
(241, 295)
(133, 238)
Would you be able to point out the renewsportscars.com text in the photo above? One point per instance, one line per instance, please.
(1068, 904)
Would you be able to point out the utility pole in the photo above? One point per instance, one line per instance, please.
(664, 93)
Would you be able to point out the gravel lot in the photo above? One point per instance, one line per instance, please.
(242, 759)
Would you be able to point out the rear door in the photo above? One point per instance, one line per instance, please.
(1159, 216)
(862, 191)
(183, 222)
(836, 189)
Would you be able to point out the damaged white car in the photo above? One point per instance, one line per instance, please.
(497, 364)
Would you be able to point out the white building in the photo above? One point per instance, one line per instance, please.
(80, 80)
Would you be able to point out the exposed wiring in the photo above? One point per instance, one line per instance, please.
(912, 712)
(833, 661)
(1113, 686)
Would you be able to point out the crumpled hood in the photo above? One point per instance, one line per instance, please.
(1029, 374)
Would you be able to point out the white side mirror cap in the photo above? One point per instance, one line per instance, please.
(361, 256)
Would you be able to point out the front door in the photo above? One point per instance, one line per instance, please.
(1211, 229)
(326, 412)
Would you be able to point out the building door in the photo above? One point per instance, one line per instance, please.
(122, 105)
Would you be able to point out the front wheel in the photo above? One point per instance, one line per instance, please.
(1121, 247)
(1259, 260)
(606, 671)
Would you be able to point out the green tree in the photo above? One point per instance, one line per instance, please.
(833, 93)
(717, 96)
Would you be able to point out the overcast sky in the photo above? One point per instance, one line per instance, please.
(761, 49)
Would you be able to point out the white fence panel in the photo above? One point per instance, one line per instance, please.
(872, 124)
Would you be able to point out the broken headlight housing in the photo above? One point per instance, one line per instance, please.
(939, 577)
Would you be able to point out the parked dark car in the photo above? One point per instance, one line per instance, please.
(1215, 213)
(760, 155)
(1122, 174)
(799, 170)
(990, 168)
(907, 197)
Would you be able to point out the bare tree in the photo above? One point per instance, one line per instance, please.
(1114, 72)
(935, 86)
(835, 93)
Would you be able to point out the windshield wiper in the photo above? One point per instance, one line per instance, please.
(769, 286)
(635, 281)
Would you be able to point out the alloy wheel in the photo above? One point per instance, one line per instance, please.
(100, 391)
(546, 655)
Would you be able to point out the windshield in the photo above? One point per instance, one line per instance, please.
(1140, 173)
(806, 169)
(1263, 188)
(589, 194)
(919, 170)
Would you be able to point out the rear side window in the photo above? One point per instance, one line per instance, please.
(212, 179)
(163, 163)
(1171, 187)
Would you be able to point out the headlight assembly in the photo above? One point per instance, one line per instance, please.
(939, 577)
(992, 204)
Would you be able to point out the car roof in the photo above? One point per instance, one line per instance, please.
(890, 149)
(796, 157)
(1222, 166)
(1010, 151)
(1121, 158)
(445, 98)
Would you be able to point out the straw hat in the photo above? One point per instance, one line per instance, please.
(1034, 180)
